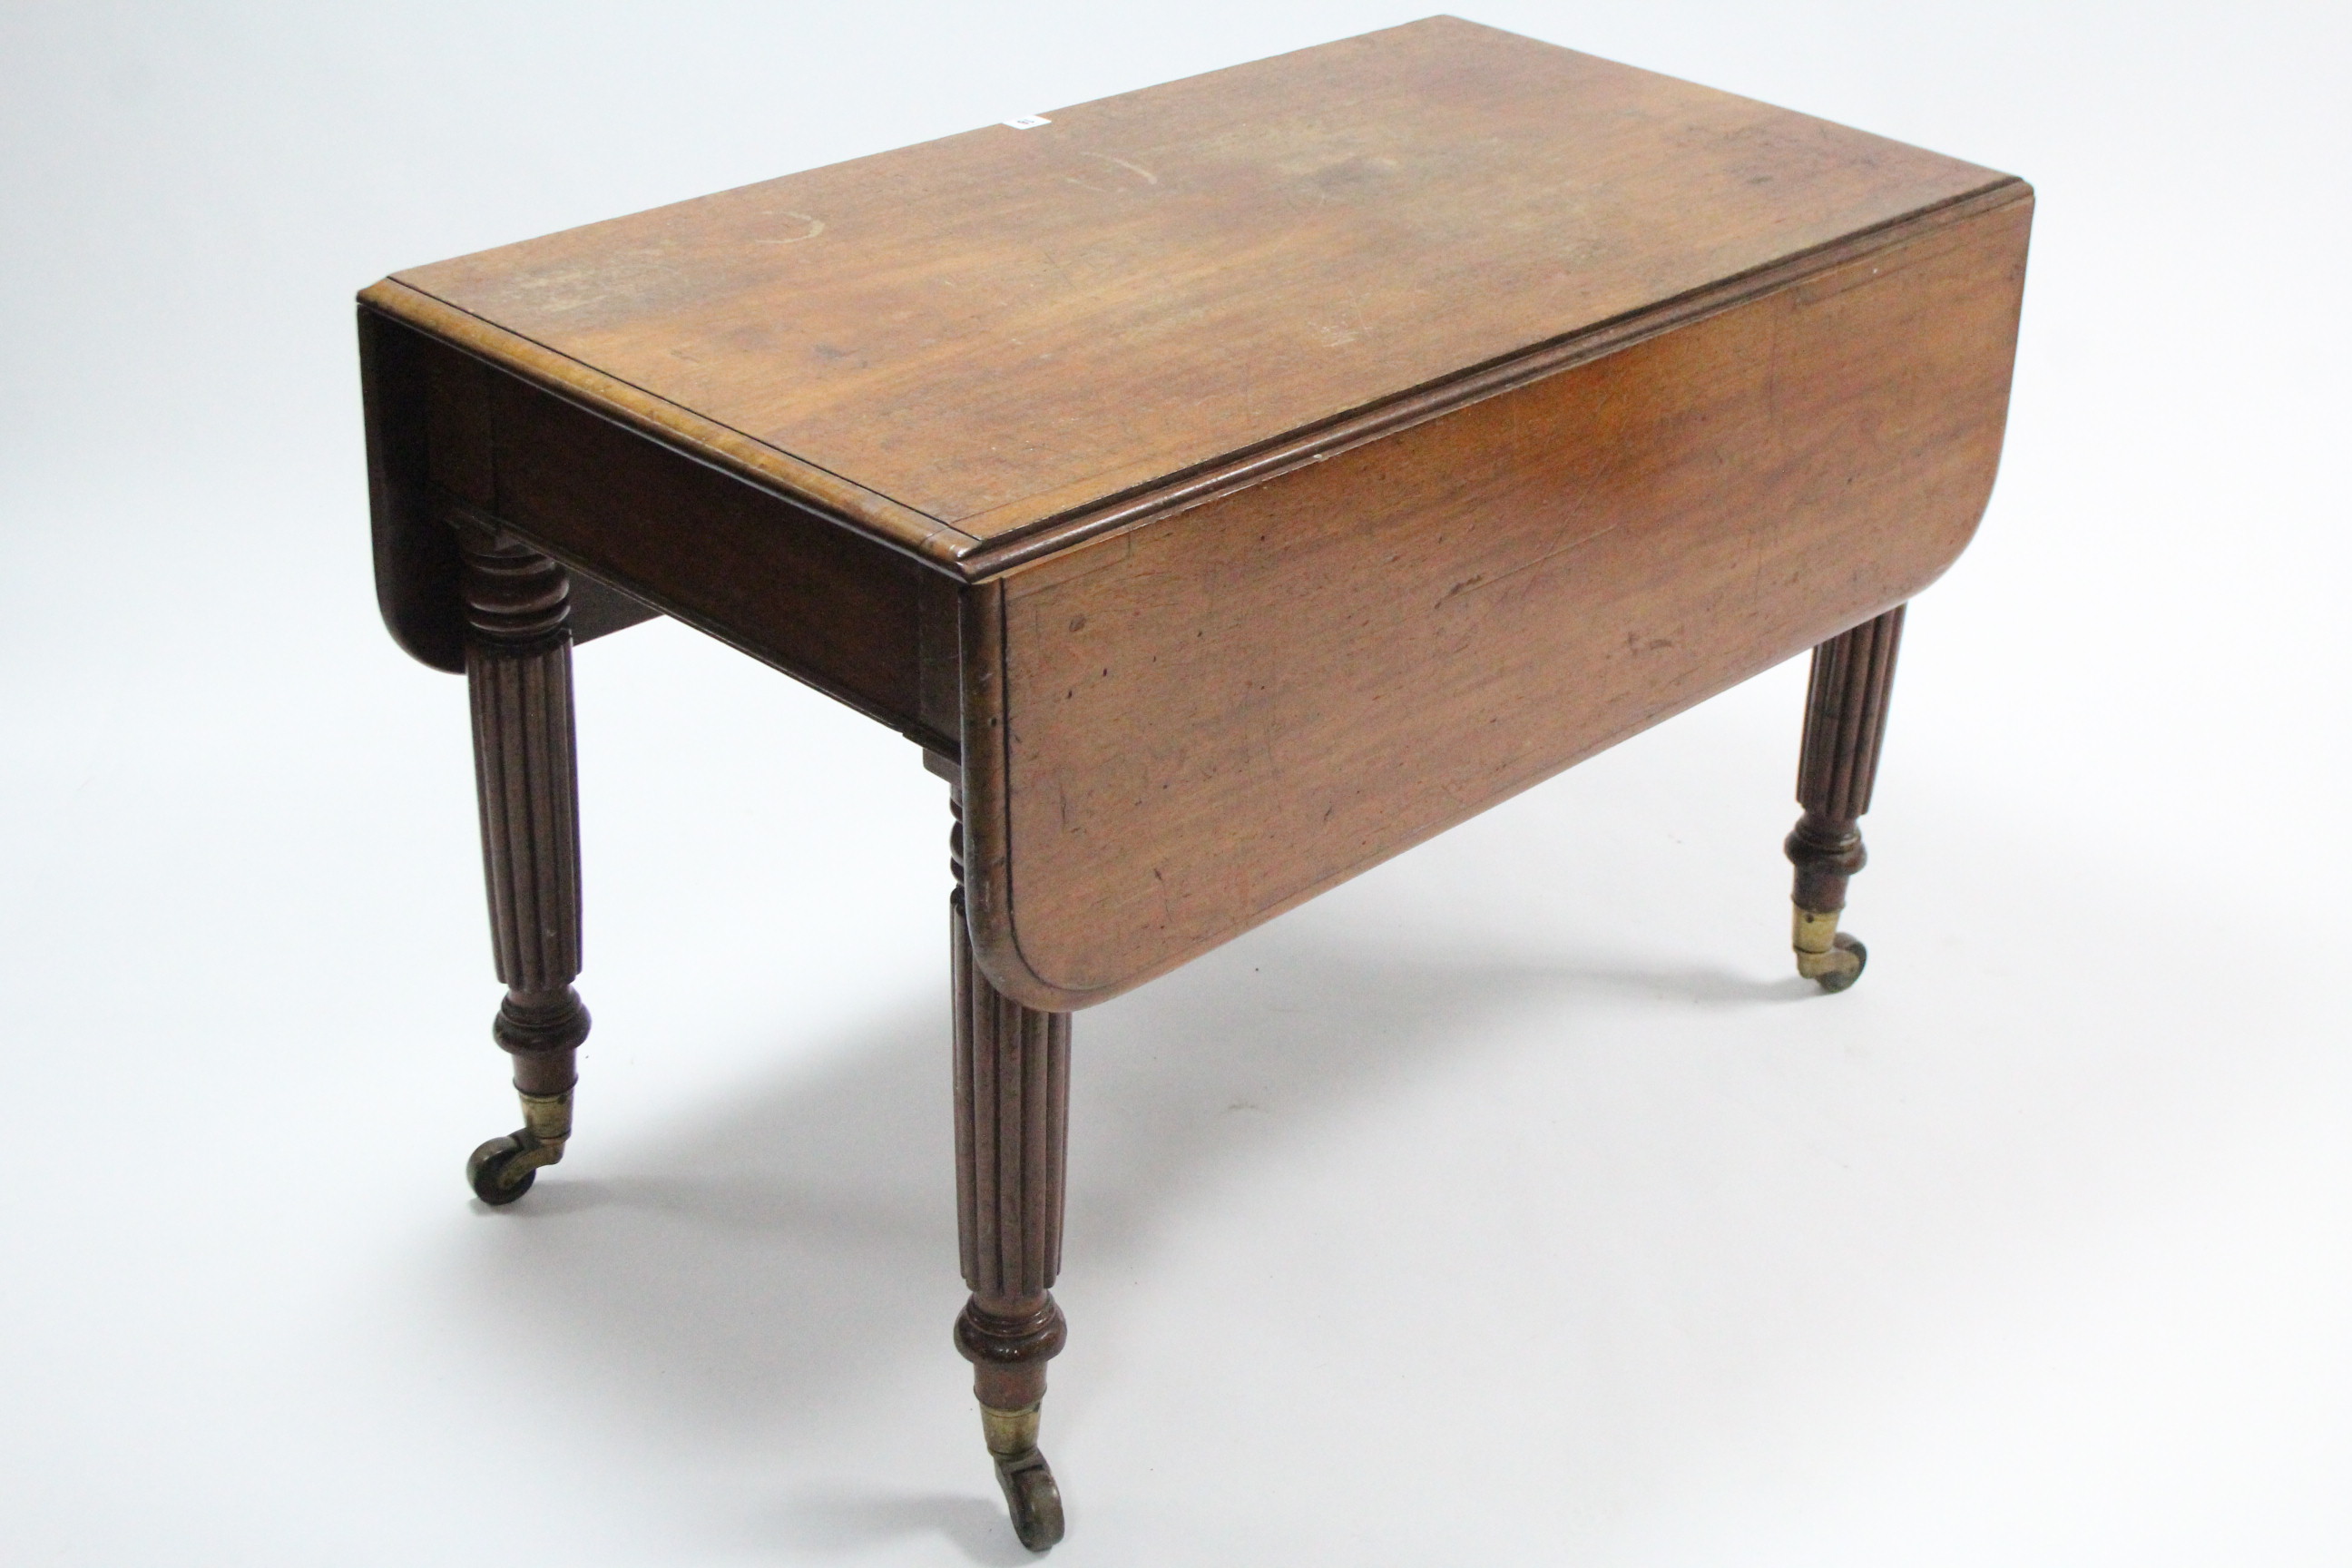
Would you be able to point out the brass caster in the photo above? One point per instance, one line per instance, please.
(1032, 1499)
(1030, 1496)
(503, 1169)
(496, 1171)
(1839, 967)
(1826, 955)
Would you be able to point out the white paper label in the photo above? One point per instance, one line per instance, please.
(1028, 122)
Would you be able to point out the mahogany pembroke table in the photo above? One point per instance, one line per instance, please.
(1226, 486)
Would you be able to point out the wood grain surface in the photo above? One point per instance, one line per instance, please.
(957, 344)
(1177, 731)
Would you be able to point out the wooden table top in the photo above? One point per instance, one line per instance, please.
(1006, 333)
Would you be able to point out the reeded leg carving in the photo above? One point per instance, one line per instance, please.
(1012, 1096)
(1845, 719)
(519, 674)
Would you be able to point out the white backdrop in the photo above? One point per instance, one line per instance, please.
(1512, 1205)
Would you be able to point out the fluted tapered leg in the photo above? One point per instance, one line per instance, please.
(518, 675)
(1011, 1102)
(1845, 719)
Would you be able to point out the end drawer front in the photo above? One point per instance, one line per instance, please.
(852, 618)
(1176, 734)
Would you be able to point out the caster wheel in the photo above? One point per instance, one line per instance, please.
(489, 1174)
(1033, 1498)
(1846, 960)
